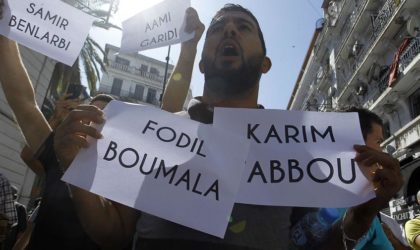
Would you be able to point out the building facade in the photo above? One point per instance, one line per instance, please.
(134, 77)
(366, 53)
(40, 70)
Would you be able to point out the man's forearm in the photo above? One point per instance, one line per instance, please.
(13, 75)
(179, 82)
(354, 225)
(20, 95)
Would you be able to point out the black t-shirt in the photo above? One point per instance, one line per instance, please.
(57, 225)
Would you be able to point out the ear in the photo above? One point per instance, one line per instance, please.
(266, 65)
(200, 65)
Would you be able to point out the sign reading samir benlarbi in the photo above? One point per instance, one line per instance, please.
(50, 27)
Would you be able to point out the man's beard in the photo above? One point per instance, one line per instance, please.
(232, 82)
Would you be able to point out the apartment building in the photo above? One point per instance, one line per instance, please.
(135, 78)
(365, 53)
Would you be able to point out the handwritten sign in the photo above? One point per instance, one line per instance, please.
(165, 165)
(158, 26)
(52, 28)
(298, 158)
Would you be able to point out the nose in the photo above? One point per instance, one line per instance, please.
(230, 30)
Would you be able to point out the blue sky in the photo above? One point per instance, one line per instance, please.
(288, 26)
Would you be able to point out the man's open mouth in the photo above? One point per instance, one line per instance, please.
(230, 50)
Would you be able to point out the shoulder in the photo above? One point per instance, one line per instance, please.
(412, 224)
(3, 180)
(183, 114)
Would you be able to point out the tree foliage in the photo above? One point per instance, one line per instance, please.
(92, 60)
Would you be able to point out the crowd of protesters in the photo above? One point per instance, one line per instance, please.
(233, 60)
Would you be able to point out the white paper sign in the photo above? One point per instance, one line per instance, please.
(158, 26)
(165, 165)
(298, 158)
(50, 27)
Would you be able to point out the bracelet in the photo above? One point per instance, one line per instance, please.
(345, 237)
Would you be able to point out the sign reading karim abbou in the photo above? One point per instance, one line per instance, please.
(161, 25)
(52, 28)
(298, 158)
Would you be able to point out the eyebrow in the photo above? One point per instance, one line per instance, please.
(221, 20)
(244, 20)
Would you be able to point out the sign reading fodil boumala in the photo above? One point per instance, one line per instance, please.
(164, 164)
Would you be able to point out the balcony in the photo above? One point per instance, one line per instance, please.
(107, 89)
(412, 50)
(327, 30)
(377, 92)
(136, 71)
(381, 25)
(129, 96)
(350, 24)
(383, 17)
(408, 73)
(405, 137)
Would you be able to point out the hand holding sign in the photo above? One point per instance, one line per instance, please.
(386, 178)
(70, 136)
(193, 24)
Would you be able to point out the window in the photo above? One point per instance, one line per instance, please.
(154, 71)
(414, 100)
(138, 92)
(144, 68)
(151, 96)
(116, 86)
(122, 61)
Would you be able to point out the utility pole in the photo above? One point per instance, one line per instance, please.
(111, 5)
(165, 76)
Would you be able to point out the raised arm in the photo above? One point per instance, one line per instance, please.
(20, 95)
(179, 82)
(387, 180)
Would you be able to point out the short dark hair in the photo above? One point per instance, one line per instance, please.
(102, 98)
(367, 118)
(236, 7)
